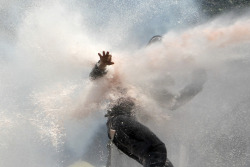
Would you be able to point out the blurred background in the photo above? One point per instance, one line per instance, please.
(51, 114)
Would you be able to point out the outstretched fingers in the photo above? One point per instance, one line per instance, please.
(106, 58)
(100, 55)
(103, 54)
(110, 60)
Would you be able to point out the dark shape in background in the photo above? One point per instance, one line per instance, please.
(215, 7)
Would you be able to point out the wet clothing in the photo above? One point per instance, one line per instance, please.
(131, 137)
(97, 72)
(137, 141)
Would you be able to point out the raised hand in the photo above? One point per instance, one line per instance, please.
(105, 59)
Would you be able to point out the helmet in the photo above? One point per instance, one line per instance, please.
(155, 39)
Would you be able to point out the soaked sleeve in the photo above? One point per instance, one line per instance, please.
(97, 72)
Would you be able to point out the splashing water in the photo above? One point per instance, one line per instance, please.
(50, 111)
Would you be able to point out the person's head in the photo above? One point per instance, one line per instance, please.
(155, 39)
(123, 106)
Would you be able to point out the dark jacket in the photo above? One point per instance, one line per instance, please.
(131, 137)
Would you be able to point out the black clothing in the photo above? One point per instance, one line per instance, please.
(137, 141)
(96, 72)
(131, 137)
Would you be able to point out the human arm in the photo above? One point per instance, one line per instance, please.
(100, 67)
(94, 93)
(199, 77)
(167, 99)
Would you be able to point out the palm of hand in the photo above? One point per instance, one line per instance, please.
(105, 58)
